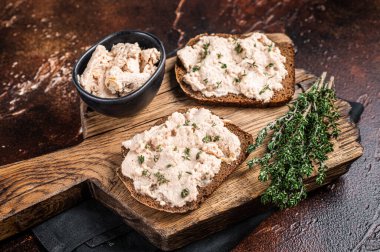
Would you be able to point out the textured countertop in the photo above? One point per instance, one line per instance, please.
(39, 107)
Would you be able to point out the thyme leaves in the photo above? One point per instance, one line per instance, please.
(196, 68)
(141, 159)
(161, 178)
(186, 154)
(238, 48)
(185, 192)
(297, 142)
(208, 139)
(205, 50)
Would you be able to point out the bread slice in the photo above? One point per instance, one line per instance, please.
(203, 192)
(280, 97)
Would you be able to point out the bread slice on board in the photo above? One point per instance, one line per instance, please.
(203, 192)
(279, 98)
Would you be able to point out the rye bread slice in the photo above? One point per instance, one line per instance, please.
(203, 192)
(279, 98)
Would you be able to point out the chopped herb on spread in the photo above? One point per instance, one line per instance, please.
(218, 84)
(237, 80)
(175, 148)
(185, 192)
(252, 64)
(189, 172)
(169, 165)
(159, 148)
(155, 158)
(198, 155)
(141, 159)
(270, 47)
(196, 68)
(160, 178)
(205, 80)
(265, 88)
(146, 173)
(269, 65)
(205, 50)
(179, 175)
(209, 138)
(195, 126)
(186, 153)
(238, 48)
(187, 123)
(213, 124)
(223, 65)
(219, 55)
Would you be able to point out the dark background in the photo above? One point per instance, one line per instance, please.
(39, 108)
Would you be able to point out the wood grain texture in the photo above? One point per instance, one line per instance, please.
(41, 183)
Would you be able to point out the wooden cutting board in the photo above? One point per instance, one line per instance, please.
(36, 189)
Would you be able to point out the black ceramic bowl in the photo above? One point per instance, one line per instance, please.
(136, 100)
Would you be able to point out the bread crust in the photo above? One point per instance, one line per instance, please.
(203, 192)
(279, 98)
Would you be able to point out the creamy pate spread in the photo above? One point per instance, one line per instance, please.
(168, 162)
(252, 66)
(115, 73)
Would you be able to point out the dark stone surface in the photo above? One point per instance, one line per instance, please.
(340, 36)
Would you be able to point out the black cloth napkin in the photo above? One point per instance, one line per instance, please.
(356, 111)
(91, 227)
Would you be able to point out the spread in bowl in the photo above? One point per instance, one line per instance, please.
(121, 74)
(123, 69)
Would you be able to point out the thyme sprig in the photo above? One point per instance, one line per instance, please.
(297, 142)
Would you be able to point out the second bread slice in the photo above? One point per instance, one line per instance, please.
(280, 97)
(203, 192)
